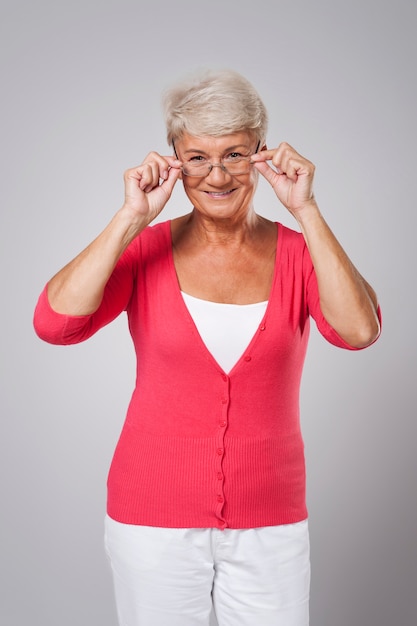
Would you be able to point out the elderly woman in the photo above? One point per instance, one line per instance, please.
(206, 491)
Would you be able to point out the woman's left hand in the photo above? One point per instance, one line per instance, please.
(347, 302)
(292, 180)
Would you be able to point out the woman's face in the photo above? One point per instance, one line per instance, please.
(219, 194)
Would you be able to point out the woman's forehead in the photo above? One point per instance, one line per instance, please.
(208, 143)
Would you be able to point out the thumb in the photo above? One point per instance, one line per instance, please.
(267, 172)
(168, 184)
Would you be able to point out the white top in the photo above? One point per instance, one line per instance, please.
(226, 329)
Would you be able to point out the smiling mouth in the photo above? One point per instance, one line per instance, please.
(219, 194)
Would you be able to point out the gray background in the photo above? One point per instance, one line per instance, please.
(81, 86)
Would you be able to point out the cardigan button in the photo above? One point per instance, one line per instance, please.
(220, 498)
(219, 451)
(223, 423)
(248, 358)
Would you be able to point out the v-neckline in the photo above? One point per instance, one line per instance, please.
(188, 316)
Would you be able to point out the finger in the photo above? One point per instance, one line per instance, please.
(142, 177)
(153, 168)
(168, 184)
(291, 168)
(131, 181)
(263, 155)
(149, 176)
(268, 155)
(277, 155)
(268, 172)
(173, 161)
(295, 166)
(161, 164)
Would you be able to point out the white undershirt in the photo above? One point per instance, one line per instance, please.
(226, 329)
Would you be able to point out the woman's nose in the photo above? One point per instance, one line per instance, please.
(217, 171)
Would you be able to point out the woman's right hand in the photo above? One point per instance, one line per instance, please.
(77, 289)
(149, 186)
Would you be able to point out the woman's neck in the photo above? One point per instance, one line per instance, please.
(218, 232)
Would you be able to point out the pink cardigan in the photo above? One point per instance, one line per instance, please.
(200, 448)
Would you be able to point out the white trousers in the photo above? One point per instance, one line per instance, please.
(176, 576)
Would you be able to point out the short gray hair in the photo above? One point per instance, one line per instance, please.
(214, 103)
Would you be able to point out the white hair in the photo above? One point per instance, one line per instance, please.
(214, 103)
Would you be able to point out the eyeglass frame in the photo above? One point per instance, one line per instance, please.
(221, 164)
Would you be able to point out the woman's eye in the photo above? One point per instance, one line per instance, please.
(233, 156)
(197, 159)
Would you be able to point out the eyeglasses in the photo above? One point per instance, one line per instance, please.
(234, 164)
